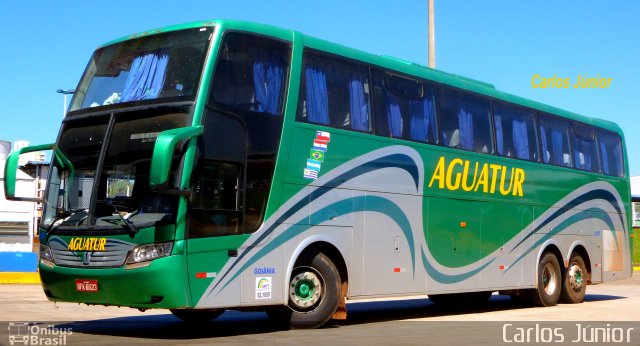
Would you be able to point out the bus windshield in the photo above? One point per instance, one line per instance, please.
(158, 66)
(119, 189)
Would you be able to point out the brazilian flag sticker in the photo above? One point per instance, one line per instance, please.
(317, 155)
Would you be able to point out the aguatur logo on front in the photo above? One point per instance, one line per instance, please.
(87, 244)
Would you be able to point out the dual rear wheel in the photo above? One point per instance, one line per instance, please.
(554, 285)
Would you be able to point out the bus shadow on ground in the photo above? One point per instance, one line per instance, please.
(233, 323)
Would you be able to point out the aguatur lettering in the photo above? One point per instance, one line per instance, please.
(478, 177)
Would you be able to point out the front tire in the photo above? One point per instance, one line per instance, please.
(314, 291)
(574, 285)
(549, 282)
(197, 315)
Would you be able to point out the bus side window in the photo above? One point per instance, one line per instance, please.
(464, 121)
(554, 140)
(405, 108)
(585, 152)
(251, 74)
(335, 94)
(515, 132)
(610, 153)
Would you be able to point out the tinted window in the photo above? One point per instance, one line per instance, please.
(237, 152)
(585, 154)
(405, 108)
(611, 153)
(251, 74)
(166, 65)
(554, 140)
(334, 93)
(515, 132)
(464, 121)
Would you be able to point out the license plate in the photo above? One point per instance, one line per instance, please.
(87, 285)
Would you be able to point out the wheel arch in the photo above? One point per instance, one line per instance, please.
(319, 243)
(553, 248)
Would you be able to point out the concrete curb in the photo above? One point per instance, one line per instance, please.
(19, 278)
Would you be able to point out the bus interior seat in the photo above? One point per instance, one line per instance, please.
(454, 142)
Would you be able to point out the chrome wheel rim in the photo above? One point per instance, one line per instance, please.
(305, 290)
(576, 277)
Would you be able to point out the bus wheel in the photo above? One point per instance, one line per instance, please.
(196, 315)
(549, 282)
(574, 285)
(314, 291)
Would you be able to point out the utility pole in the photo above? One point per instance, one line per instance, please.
(432, 37)
(65, 93)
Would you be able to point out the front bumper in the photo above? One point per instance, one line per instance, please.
(162, 284)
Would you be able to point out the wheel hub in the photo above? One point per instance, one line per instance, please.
(576, 277)
(305, 290)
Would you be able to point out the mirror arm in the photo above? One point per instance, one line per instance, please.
(11, 172)
(163, 152)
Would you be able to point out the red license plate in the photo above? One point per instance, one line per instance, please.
(87, 285)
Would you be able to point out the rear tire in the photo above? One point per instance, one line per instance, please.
(549, 282)
(197, 315)
(574, 285)
(314, 292)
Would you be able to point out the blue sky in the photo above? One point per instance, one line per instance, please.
(46, 45)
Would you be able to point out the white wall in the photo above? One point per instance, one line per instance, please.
(13, 211)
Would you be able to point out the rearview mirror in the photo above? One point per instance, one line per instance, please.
(163, 152)
(11, 172)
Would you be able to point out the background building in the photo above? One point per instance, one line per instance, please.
(19, 220)
(635, 193)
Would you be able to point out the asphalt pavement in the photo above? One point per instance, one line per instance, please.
(610, 313)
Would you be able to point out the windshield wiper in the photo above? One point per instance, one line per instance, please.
(59, 220)
(126, 224)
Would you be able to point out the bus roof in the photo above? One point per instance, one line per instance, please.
(392, 63)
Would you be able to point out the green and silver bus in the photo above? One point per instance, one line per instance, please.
(231, 165)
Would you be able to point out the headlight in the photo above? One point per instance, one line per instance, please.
(149, 252)
(46, 256)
